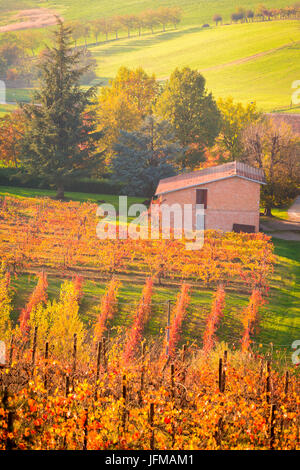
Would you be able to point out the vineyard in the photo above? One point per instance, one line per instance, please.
(109, 385)
(62, 390)
(42, 233)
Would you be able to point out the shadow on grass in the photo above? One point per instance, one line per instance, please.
(141, 42)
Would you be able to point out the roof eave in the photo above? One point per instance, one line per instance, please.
(210, 181)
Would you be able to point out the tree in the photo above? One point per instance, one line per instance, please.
(192, 111)
(11, 135)
(217, 19)
(150, 19)
(129, 22)
(116, 24)
(274, 149)
(86, 31)
(145, 156)
(115, 112)
(30, 40)
(124, 104)
(235, 118)
(59, 133)
(175, 15)
(106, 27)
(96, 28)
(163, 15)
(250, 15)
(76, 29)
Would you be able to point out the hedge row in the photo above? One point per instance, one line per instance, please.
(10, 177)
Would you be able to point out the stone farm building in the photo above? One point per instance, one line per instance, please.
(230, 194)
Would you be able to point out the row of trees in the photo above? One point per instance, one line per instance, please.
(149, 19)
(137, 131)
(18, 50)
(261, 13)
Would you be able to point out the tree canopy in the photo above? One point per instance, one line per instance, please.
(145, 156)
(192, 111)
(59, 131)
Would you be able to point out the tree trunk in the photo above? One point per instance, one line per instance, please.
(268, 211)
(60, 191)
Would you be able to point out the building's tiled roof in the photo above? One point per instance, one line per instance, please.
(210, 174)
(292, 120)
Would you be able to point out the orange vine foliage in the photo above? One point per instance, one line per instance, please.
(37, 233)
(192, 414)
(39, 295)
(78, 292)
(107, 307)
(179, 314)
(135, 333)
(213, 319)
(250, 317)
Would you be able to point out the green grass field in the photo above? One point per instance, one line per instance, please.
(234, 69)
(195, 11)
(251, 62)
(81, 197)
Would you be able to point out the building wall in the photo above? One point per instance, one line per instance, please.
(229, 201)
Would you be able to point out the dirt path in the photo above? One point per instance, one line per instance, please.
(248, 59)
(283, 229)
(33, 18)
(294, 211)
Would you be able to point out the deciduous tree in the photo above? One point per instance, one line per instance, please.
(192, 111)
(274, 148)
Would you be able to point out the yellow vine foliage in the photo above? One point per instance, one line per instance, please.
(5, 305)
(58, 321)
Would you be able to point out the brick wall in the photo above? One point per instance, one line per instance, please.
(229, 201)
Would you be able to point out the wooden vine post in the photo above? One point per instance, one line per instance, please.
(168, 328)
(34, 348)
(74, 357)
(151, 424)
(104, 351)
(46, 356)
(99, 349)
(272, 426)
(124, 396)
(142, 375)
(222, 376)
(268, 382)
(172, 381)
(85, 429)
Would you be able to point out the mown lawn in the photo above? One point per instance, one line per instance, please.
(69, 195)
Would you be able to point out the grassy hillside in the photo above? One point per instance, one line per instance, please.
(251, 62)
(195, 11)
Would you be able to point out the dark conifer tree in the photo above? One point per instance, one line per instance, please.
(59, 140)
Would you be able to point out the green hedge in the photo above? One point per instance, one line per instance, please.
(10, 177)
